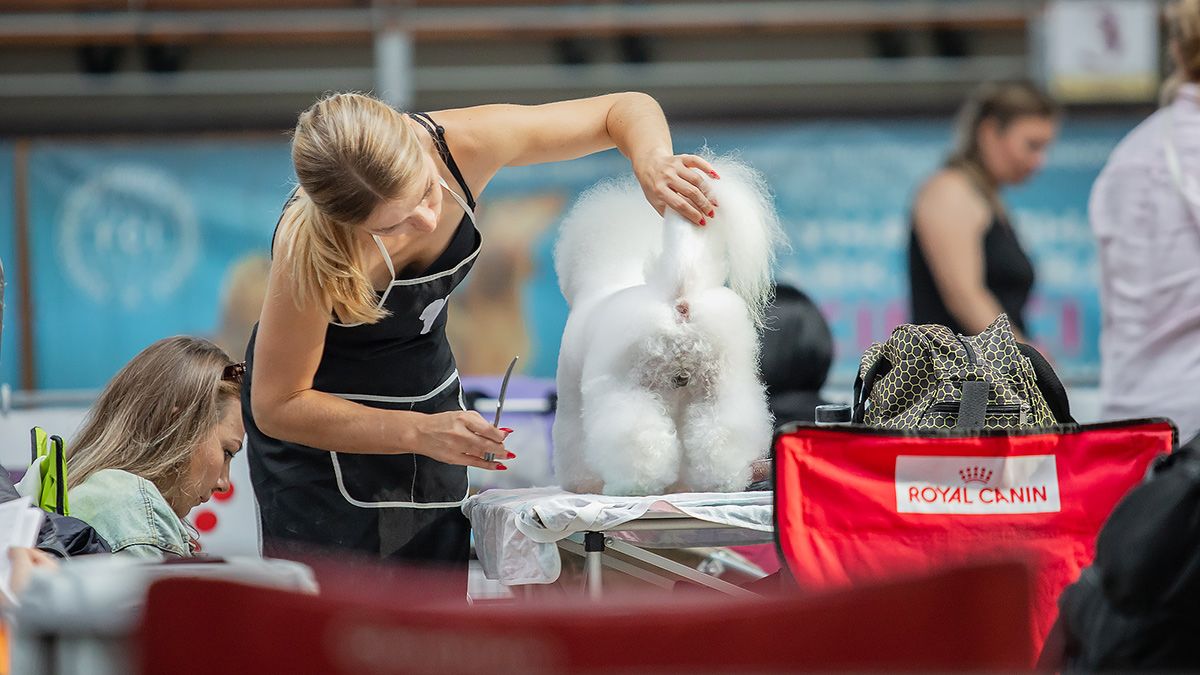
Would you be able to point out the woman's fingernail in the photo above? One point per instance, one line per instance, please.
(712, 212)
(506, 430)
(501, 467)
(714, 175)
(703, 222)
(511, 456)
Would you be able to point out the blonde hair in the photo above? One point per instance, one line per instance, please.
(351, 152)
(1183, 31)
(154, 412)
(1004, 103)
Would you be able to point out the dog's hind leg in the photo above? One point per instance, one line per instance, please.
(723, 433)
(630, 438)
(570, 465)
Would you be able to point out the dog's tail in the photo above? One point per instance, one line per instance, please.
(606, 239)
(737, 245)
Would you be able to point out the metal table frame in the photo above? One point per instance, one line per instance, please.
(596, 547)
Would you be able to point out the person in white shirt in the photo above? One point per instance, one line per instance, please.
(1145, 213)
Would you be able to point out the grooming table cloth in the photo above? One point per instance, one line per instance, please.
(516, 530)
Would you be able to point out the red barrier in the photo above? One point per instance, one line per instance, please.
(858, 505)
(967, 619)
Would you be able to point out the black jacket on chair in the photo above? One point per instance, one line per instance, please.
(1137, 608)
(61, 536)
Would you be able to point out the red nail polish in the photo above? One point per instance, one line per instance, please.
(703, 222)
(511, 456)
(506, 430)
(714, 175)
(712, 213)
(501, 467)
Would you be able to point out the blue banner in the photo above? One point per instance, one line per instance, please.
(137, 241)
(132, 242)
(10, 353)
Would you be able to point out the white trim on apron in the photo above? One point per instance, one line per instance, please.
(337, 467)
(387, 258)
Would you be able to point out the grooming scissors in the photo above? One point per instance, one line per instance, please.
(491, 456)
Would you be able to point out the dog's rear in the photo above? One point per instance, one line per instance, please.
(737, 245)
(612, 239)
(658, 385)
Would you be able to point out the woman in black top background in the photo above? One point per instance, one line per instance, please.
(966, 264)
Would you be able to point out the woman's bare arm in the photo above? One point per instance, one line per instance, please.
(494, 136)
(287, 352)
(950, 219)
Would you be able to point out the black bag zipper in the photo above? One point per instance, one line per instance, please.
(998, 409)
(970, 351)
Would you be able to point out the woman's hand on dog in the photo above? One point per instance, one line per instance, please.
(462, 438)
(678, 182)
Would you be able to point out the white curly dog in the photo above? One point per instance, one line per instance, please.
(658, 387)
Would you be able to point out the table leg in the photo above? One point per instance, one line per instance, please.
(593, 546)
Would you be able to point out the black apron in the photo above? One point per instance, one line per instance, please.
(397, 507)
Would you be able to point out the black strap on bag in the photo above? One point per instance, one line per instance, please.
(1047, 380)
(973, 410)
(863, 386)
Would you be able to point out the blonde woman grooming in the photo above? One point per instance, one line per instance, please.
(357, 432)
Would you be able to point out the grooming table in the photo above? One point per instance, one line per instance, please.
(519, 533)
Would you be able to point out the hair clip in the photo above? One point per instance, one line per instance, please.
(234, 372)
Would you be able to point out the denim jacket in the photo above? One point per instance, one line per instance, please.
(131, 514)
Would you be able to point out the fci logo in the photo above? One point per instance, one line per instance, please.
(129, 234)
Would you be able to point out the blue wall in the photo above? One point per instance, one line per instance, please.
(132, 241)
(9, 347)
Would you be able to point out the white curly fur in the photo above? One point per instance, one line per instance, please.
(658, 387)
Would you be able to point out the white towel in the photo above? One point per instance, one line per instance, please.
(515, 530)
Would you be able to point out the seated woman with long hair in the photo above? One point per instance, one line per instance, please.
(157, 443)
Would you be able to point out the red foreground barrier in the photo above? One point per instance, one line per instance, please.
(856, 505)
(965, 619)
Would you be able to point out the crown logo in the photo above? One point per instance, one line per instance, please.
(975, 474)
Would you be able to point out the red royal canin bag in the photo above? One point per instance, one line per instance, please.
(857, 504)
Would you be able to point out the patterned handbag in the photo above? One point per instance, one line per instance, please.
(927, 377)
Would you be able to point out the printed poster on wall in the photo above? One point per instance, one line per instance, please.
(1101, 50)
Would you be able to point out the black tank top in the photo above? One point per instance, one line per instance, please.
(1008, 275)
